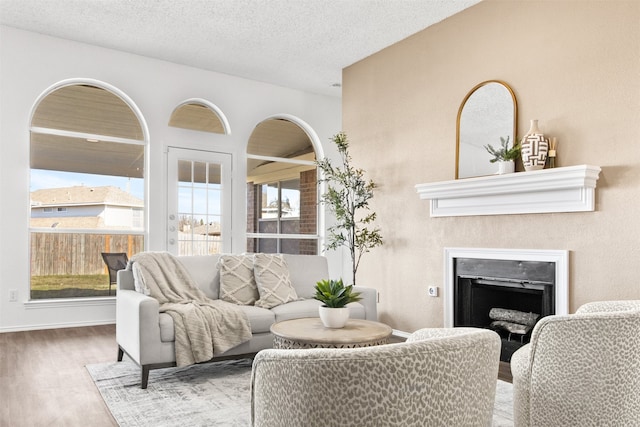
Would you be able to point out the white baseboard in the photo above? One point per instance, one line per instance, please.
(56, 326)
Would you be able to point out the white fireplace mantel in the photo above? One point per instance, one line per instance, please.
(566, 189)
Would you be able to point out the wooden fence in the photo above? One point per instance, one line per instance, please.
(78, 253)
(198, 244)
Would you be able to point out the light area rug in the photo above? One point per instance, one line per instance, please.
(213, 394)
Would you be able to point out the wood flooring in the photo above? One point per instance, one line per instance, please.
(43, 380)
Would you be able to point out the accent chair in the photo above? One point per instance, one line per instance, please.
(581, 369)
(438, 377)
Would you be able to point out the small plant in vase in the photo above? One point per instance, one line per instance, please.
(334, 296)
(505, 156)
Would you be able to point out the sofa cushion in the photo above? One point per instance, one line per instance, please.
(309, 308)
(203, 270)
(166, 328)
(272, 277)
(296, 309)
(237, 284)
(305, 271)
(260, 319)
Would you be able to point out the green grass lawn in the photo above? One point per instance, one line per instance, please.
(45, 287)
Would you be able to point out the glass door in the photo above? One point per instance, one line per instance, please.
(199, 202)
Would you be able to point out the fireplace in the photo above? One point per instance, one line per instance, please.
(505, 290)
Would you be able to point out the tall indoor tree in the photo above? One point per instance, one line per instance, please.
(347, 197)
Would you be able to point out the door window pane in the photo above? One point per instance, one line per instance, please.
(199, 208)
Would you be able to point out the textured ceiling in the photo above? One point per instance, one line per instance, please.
(301, 44)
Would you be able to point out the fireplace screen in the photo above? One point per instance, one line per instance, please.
(506, 296)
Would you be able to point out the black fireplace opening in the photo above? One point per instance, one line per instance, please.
(506, 296)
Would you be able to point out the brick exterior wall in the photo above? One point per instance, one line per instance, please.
(307, 224)
(252, 198)
(308, 211)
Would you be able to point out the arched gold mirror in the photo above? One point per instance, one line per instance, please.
(487, 113)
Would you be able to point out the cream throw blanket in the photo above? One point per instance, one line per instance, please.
(203, 327)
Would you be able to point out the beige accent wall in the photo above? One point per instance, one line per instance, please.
(574, 66)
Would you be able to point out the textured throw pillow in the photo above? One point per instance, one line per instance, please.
(272, 277)
(237, 284)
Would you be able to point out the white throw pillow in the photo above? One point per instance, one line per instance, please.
(272, 277)
(237, 284)
(138, 281)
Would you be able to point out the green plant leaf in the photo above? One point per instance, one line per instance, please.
(347, 194)
(334, 294)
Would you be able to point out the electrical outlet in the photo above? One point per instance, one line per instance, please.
(13, 295)
(433, 291)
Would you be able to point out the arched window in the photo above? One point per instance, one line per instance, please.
(87, 188)
(197, 114)
(282, 201)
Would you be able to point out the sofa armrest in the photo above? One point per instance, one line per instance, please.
(520, 368)
(125, 280)
(369, 301)
(138, 325)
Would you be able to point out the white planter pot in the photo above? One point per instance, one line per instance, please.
(506, 167)
(333, 317)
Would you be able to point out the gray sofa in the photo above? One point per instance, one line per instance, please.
(147, 336)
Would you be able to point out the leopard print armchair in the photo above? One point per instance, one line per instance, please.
(581, 369)
(438, 377)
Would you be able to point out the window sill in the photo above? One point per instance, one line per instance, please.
(566, 189)
(69, 302)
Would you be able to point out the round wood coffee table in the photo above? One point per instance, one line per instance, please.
(309, 332)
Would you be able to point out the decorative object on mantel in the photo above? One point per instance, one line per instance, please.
(487, 112)
(565, 189)
(347, 196)
(535, 147)
(335, 296)
(551, 160)
(504, 156)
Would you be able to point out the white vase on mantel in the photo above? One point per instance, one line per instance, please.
(506, 166)
(334, 318)
(534, 148)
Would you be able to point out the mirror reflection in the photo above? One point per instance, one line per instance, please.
(488, 112)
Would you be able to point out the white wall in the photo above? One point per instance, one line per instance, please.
(118, 216)
(30, 63)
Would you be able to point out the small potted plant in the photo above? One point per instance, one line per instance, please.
(504, 156)
(334, 296)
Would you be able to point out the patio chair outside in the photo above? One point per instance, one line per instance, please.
(115, 261)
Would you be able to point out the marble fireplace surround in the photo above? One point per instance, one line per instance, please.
(559, 257)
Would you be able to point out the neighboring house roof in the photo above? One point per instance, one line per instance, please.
(213, 229)
(82, 195)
